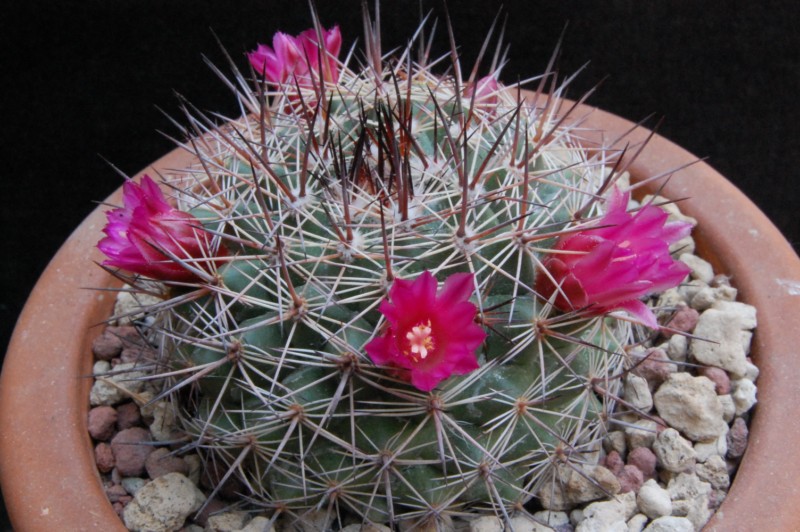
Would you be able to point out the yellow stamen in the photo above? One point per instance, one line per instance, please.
(421, 341)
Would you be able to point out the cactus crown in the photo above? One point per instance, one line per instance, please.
(360, 328)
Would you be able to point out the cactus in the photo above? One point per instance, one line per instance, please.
(373, 323)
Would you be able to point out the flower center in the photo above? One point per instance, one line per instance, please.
(420, 341)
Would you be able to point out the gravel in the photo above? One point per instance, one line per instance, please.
(667, 464)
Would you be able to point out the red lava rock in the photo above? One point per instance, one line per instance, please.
(614, 462)
(160, 462)
(211, 507)
(120, 509)
(128, 333)
(107, 346)
(128, 415)
(737, 438)
(131, 449)
(655, 368)
(116, 492)
(104, 457)
(720, 378)
(684, 320)
(140, 352)
(643, 459)
(630, 479)
(212, 474)
(102, 422)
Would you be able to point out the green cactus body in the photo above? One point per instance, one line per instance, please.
(322, 206)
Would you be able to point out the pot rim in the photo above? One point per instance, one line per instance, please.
(48, 490)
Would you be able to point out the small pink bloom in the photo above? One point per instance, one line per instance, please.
(430, 336)
(609, 266)
(146, 232)
(298, 58)
(278, 63)
(485, 91)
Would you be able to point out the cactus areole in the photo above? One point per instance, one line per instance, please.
(390, 292)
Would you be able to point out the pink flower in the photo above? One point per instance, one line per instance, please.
(430, 336)
(298, 58)
(485, 90)
(621, 258)
(146, 233)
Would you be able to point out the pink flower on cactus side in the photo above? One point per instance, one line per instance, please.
(609, 266)
(146, 233)
(299, 58)
(430, 336)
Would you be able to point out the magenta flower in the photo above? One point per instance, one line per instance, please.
(485, 90)
(146, 236)
(430, 336)
(609, 266)
(298, 58)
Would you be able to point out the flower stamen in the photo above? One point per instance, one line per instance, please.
(421, 340)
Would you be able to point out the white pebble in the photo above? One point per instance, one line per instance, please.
(605, 515)
(690, 289)
(670, 299)
(701, 269)
(615, 441)
(164, 425)
(728, 407)
(670, 524)
(552, 519)
(486, 523)
(641, 434)
(113, 388)
(751, 371)
(744, 395)
(690, 497)
(637, 393)
(259, 524)
(100, 367)
(673, 451)
(715, 472)
(523, 522)
(718, 342)
(678, 348)
(227, 521)
(746, 337)
(130, 303)
(704, 299)
(742, 313)
(706, 449)
(690, 405)
(637, 523)
(163, 504)
(653, 500)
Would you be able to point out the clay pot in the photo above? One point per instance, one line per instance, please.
(47, 466)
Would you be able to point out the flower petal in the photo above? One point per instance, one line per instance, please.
(614, 262)
(432, 335)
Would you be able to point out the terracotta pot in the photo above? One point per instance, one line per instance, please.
(46, 459)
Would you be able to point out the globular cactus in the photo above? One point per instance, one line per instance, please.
(388, 307)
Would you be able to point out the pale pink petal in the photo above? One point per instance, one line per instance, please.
(640, 311)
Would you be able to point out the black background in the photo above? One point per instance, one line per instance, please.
(83, 81)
